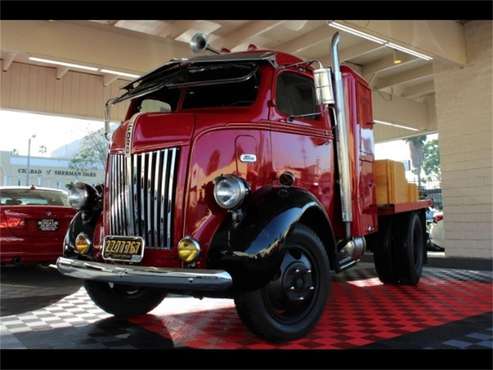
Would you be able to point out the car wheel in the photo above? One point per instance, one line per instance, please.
(291, 304)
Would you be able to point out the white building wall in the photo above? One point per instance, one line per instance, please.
(464, 104)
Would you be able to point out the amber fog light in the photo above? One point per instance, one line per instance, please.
(188, 249)
(82, 243)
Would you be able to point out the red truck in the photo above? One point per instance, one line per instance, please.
(245, 175)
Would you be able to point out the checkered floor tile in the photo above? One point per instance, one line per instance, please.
(360, 311)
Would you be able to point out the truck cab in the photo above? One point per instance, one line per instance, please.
(246, 175)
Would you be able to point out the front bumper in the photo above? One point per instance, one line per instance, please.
(156, 277)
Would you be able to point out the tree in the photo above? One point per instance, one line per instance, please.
(431, 162)
(416, 146)
(92, 153)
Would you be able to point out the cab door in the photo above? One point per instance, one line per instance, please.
(300, 135)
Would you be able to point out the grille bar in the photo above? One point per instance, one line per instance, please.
(142, 195)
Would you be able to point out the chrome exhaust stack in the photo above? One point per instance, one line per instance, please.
(329, 88)
(342, 139)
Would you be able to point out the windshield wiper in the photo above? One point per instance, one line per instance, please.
(293, 116)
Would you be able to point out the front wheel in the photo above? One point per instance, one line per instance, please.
(291, 304)
(122, 300)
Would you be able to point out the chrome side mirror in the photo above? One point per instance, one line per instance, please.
(199, 43)
(323, 86)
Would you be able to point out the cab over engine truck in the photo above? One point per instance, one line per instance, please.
(245, 175)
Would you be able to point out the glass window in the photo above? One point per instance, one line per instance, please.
(238, 94)
(295, 94)
(33, 197)
(162, 101)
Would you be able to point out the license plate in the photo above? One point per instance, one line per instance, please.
(48, 224)
(123, 248)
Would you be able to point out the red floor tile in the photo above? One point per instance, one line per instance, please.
(357, 313)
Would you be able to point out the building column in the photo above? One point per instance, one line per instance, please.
(463, 98)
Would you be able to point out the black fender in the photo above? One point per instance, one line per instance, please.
(84, 221)
(251, 250)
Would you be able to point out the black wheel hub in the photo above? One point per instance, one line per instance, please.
(297, 281)
(290, 296)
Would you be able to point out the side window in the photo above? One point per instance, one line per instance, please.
(295, 94)
(152, 105)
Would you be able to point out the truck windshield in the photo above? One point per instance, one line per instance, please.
(238, 94)
(212, 85)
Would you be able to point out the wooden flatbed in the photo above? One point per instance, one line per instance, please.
(392, 209)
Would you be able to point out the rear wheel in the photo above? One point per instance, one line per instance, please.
(123, 300)
(399, 250)
(291, 304)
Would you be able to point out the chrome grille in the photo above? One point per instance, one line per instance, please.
(141, 195)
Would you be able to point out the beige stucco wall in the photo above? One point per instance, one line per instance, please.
(464, 104)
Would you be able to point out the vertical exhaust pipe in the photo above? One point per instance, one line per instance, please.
(342, 138)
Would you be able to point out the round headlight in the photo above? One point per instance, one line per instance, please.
(229, 191)
(78, 196)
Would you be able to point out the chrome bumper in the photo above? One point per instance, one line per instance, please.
(157, 277)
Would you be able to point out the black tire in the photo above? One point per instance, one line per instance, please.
(409, 257)
(262, 310)
(384, 243)
(123, 301)
(399, 251)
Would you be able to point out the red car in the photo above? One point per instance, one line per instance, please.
(33, 222)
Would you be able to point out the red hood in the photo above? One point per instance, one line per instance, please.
(153, 131)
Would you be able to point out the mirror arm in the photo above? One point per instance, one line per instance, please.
(107, 117)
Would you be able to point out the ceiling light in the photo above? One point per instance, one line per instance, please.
(356, 32)
(395, 125)
(396, 58)
(408, 51)
(71, 65)
(378, 40)
(119, 73)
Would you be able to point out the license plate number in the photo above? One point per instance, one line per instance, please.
(48, 224)
(123, 248)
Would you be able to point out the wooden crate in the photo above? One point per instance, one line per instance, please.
(413, 194)
(390, 182)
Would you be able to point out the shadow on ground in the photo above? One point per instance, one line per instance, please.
(27, 288)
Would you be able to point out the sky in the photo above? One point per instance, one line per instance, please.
(51, 131)
(397, 150)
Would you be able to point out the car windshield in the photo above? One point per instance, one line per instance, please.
(32, 197)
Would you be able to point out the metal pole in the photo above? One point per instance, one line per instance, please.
(28, 161)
